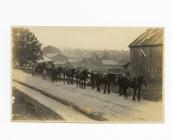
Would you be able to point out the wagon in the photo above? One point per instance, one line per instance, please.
(43, 68)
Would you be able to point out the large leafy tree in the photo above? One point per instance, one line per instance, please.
(26, 47)
(50, 49)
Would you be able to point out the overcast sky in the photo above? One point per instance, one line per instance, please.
(92, 38)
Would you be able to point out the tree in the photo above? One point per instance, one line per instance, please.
(26, 47)
(50, 49)
(96, 59)
(105, 55)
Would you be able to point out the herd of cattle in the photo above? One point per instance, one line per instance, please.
(81, 77)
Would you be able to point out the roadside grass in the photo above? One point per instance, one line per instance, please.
(26, 108)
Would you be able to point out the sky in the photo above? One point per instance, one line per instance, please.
(90, 38)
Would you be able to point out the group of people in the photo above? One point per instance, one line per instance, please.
(97, 80)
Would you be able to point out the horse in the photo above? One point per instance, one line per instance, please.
(43, 68)
(68, 74)
(64, 72)
(37, 69)
(99, 80)
(56, 74)
(77, 76)
(93, 79)
(136, 84)
(120, 81)
(83, 76)
(105, 79)
(71, 75)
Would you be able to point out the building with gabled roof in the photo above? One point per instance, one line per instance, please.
(58, 59)
(46, 58)
(146, 55)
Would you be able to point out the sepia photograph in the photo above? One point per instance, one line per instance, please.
(87, 74)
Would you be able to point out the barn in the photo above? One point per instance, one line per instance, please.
(146, 55)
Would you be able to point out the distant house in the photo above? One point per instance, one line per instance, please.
(46, 58)
(88, 63)
(50, 55)
(74, 62)
(112, 66)
(58, 59)
(147, 54)
(126, 68)
(109, 62)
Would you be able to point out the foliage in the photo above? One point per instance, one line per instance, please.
(26, 47)
(96, 59)
(105, 54)
(50, 49)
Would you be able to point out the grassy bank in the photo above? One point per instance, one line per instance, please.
(26, 108)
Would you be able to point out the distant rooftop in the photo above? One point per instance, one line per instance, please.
(50, 55)
(109, 62)
(59, 62)
(46, 58)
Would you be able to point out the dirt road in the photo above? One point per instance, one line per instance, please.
(97, 106)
